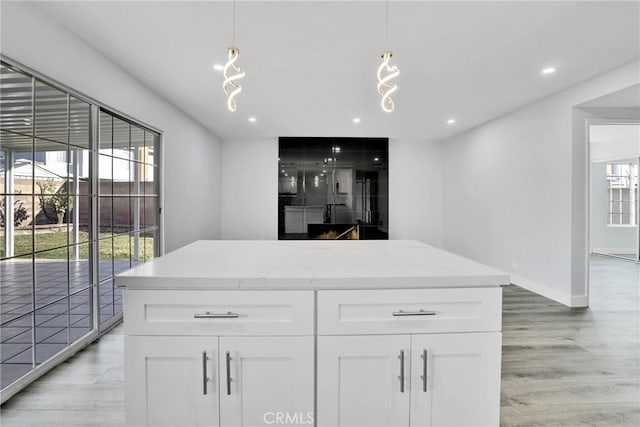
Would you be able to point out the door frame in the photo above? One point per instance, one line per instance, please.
(591, 122)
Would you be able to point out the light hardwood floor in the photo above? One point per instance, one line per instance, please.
(560, 366)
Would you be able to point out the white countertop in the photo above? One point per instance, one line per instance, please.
(310, 264)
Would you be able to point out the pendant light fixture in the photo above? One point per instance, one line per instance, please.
(385, 86)
(231, 71)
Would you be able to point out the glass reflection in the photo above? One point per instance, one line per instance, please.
(333, 188)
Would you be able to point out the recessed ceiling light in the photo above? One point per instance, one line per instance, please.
(451, 121)
(252, 119)
(218, 67)
(356, 120)
(286, 174)
(549, 70)
(282, 170)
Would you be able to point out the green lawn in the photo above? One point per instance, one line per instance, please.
(46, 241)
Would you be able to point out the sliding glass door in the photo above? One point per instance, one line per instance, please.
(128, 203)
(77, 206)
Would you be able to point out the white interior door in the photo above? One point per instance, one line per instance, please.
(462, 373)
(360, 380)
(266, 379)
(171, 381)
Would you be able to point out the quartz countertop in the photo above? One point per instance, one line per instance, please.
(309, 265)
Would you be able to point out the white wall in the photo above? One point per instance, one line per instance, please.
(515, 190)
(192, 154)
(250, 190)
(415, 191)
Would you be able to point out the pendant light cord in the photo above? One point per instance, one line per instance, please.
(387, 17)
(233, 37)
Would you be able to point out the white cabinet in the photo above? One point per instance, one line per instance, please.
(444, 343)
(364, 357)
(166, 381)
(230, 381)
(262, 377)
(462, 374)
(360, 381)
(251, 362)
(439, 379)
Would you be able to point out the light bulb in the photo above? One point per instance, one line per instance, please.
(230, 86)
(385, 87)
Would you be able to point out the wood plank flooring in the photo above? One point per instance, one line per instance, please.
(560, 366)
(570, 367)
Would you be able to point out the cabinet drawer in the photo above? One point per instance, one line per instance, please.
(399, 311)
(225, 313)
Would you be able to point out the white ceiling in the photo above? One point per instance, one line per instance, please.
(614, 142)
(625, 98)
(311, 65)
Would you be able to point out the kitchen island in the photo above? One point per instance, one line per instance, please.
(301, 332)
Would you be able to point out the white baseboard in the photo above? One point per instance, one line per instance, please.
(579, 301)
(548, 292)
(613, 251)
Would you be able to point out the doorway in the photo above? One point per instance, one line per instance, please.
(614, 201)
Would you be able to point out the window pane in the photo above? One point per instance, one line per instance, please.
(105, 168)
(121, 253)
(106, 300)
(150, 241)
(79, 121)
(121, 215)
(137, 249)
(81, 314)
(121, 177)
(51, 113)
(23, 171)
(150, 180)
(16, 100)
(52, 330)
(151, 145)
(22, 215)
(150, 212)
(121, 139)
(106, 216)
(79, 174)
(16, 347)
(137, 143)
(23, 240)
(79, 268)
(16, 287)
(21, 145)
(79, 218)
(105, 264)
(106, 133)
(51, 276)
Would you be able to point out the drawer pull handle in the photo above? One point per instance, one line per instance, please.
(205, 379)
(228, 357)
(400, 313)
(209, 315)
(424, 376)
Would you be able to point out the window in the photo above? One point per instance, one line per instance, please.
(622, 189)
(52, 191)
(333, 188)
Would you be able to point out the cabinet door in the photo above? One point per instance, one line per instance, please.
(171, 381)
(462, 379)
(359, 380)
(266, 379)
